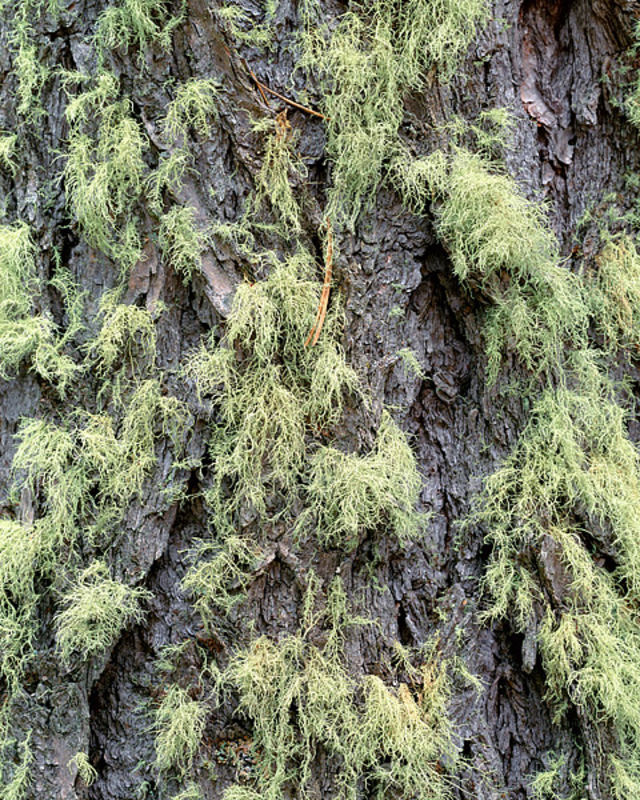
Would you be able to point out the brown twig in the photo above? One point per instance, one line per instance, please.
(314, 333)
(262, 88)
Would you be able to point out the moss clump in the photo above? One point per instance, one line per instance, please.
(194, 105)
(181, 241)
(369, 60)
(87, 773)
(273, 183)
(104, 170)
(269, 389)
(349, 494)
(303, 703)
(87, 470)
(23, 335)
(219, 575)
(18, 781)
(574, 458)
(95, 612)
(19, 551)
(179, 725)
(614, 295)
(137, 23)
(500, 244)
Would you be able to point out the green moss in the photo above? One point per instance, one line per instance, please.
(368, 61)
(86, 772)
(268, 387)
(194, 105)
(104, 171)
(181, 241)
(614, 295)
(17, 784)
(349, 494)
(179, 725)
(137, 23)
(219, 576)
(23, 335)
(125, 346)
(303, 702)
(167, 176)
(95, 612)
(7, 151)
(500, 244)
(19, 551)
(574, 456)
(280, 166)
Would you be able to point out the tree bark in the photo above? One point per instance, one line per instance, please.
(553, 64)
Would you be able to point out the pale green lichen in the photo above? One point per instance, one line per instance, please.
(95, 612)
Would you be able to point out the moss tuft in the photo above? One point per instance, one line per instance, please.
(96, 611)
(179, 725)
(181, 241)
(349, 494)
(303, 703)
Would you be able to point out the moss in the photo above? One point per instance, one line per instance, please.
(501, 245)
(179, 725)
(194, 105)
(303, 702)
(95, 612)
(137, 23)
(181, 241)
(367, 62)
(16, 786)
(125, 347)
(19, 551)
(614, 295)
(85, 771)
(219, 575)
(24, 335)
(83, 472)
(104, 171)
(349, 494)
(279, 167)
(261, 378)
(167, 176)
(7, 151)
(574, 457)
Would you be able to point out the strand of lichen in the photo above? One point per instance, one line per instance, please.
(302, 701)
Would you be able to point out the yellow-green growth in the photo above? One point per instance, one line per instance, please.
(96, 611)
(272, 391)
(303, 702)
(17, 783)
(181, 241)
(370, 59)
(7, 151)
(194, 105)
(280, 165)
(219, 576)
(19, 551)
(574, 457)
(126, 342)
(614, 295)
(137, 23)
(105, 169)
(167, 176)
(85, 770)
(349, 494)
(501, 244)
(179, 725)
(22, 334)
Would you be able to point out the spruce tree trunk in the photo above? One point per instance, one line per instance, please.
(556, 66)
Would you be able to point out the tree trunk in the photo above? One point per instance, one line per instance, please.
(411, 323)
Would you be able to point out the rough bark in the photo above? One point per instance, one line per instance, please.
(543, 59)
